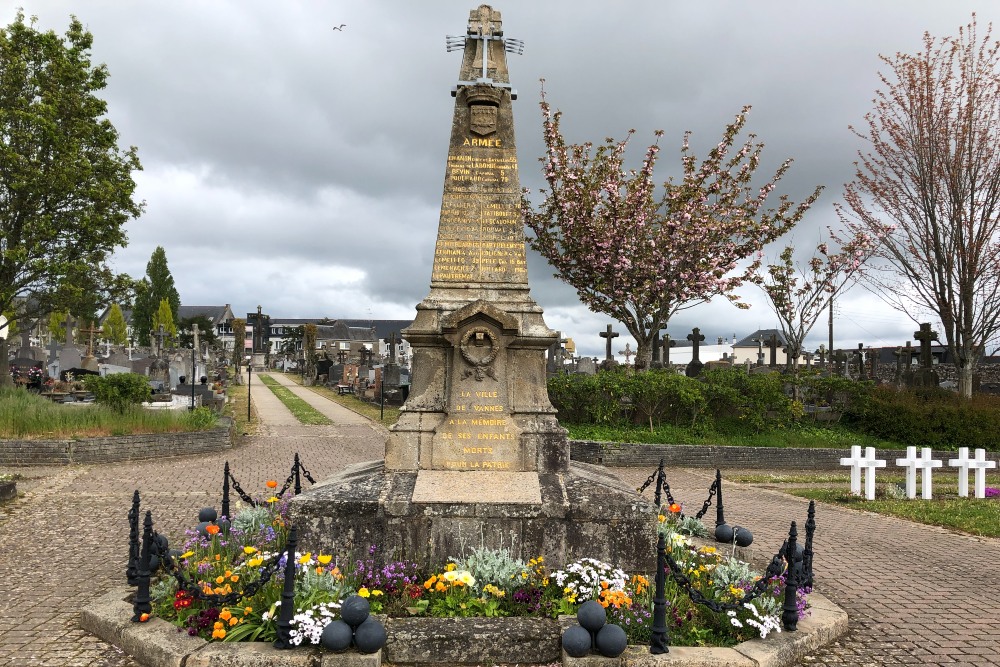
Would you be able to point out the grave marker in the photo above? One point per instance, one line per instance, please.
(867, 463)
(694, 366)
(608, 335)
(978, 465)
(772, 344)
(926, 376)
(925, 463)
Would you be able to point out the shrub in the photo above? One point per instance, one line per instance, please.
(120, 391)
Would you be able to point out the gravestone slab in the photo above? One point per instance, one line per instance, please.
(477, 450)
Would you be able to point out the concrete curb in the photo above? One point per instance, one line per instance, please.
(157, 643)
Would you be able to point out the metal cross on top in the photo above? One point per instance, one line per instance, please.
(628, 353)
(90, 344)
(484, 27)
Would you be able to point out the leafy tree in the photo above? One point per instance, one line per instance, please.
(119, 391)
(798, 295)
(158, 284)
(57, 329)
(165, 316)
(115, 328)
(927, 188)
(66, 188)
(292, 340)
(239, 342)
(206, 331)
(639, 255)
(309, 332)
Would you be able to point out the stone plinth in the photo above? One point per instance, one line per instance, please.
(583, 512)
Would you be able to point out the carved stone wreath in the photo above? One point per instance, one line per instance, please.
(474, 339)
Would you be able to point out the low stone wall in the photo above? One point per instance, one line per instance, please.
(118, 448)
(637, 455)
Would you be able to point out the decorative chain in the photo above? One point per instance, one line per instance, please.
(305, 473)
(773, 570)
(288, 483)
(183, 583)
(242, 494)
(712, 490)
(649, 480)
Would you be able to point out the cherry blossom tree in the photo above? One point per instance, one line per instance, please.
(640, 253)
(928, 188)
(799, 293)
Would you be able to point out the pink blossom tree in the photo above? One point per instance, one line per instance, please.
(928, 188)
(639, 253)
(798, 294)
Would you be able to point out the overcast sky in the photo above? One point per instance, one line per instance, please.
(297, 167)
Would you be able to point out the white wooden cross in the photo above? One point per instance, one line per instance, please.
(978, 464)
(926, 463)
(869, 463)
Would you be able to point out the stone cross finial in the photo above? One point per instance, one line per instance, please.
(925, 336)
(609, 334)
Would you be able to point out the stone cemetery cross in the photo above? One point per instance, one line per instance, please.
(772, 344)
(860, 354)
(822, 354)
(873, 355)
(808, 356)
(53, 348)
(926, 463)
(26, 335)
(760, 351)
(695, 365)
(897, 377)
(391, 340)
(978, 465)
(194, 336)
(840, 363)
(668, 343)
(869, 463)
(68, 326)
(925, 336)
(160, 334)
(628, 354)
(609, 334)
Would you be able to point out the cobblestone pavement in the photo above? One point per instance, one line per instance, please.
(915, 594)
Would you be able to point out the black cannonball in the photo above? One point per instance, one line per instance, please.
(744, 537)
(370, 635)
(162, 542)
(154, 563)
(354, 611)
(611, 640)
(207, 514)
(592, 615)
(724, 533)
(223, 524)
(201, 528)
(336, 636)
(576, 641)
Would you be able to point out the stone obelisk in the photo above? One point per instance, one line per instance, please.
(477, 455)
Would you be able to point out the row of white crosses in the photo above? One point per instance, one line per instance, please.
(925, 463)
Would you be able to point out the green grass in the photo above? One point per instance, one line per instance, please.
(236, 409)
(969, 515)
(798, 436)
(25, 416)
(305, 413)
(363, 408)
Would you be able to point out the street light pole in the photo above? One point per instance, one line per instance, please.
(249, 368)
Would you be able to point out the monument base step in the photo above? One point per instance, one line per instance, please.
(583, 512)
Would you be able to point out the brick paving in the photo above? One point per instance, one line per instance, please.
(915, 594)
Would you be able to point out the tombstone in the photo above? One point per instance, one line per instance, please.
(808, 356)
(925, 376)
(925, 463)
(859, 355)
(555, 351)
(609, 360)
(760, 352)
(867, 464)
(840, 364)
(586, 366)
(27, 351)
(901, 361)
(694, 366)
(821, 353)
(668, 343)
(978, 465)
(873, 355)
(772, 344)
(628, 353)
(477, 455)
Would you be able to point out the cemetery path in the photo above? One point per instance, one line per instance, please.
(334, 411)
(915, 594)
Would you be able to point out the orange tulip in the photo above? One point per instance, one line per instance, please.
(211, 529)
(271, 484)
(675, 508)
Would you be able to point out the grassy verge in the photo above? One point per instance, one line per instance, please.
(799, 436)
(25, 416)
(386, 417)
(236, 409)
(305, 413)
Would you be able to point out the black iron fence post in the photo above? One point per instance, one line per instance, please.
(657, 497)
(284, 639)
(132, 569)
(225, 490)
(295, 470)
(807, 551)
(720, 518)
(660, 640)
(789, 610)
(141, 604)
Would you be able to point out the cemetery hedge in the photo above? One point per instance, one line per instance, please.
(730, 402)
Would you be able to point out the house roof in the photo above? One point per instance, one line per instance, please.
(761, 335)
(215, 314)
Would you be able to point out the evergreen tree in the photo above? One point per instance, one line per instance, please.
(165, 316)
(239, 340)
(57, 329)
(157, 285)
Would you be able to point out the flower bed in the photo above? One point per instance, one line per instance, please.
(226, 583)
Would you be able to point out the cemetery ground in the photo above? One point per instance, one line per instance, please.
(915, 594)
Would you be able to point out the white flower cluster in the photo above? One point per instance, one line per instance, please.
(309, 624)
(583, 578)
(764, 624)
